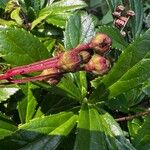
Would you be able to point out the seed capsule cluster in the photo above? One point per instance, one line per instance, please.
(121, 18)
(88, 57)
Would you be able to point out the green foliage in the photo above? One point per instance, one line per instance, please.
(7, 126)
(134, 63)
(24, 48)
(3, 3)
(99, 131)
(79, 29)
(7, 92)
(142, 140)
(80, 111)
(137, 21)
(56, 8)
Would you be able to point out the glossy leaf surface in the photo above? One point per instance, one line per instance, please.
(7, 92)
(99, 131)
(57, 8)
(19, 47)
(79, 29)
(41, 133)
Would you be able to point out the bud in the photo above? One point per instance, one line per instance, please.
(97, 65)
(56, 75)
(101, 43)
(50, 71)
(69, 61)
(85, 56)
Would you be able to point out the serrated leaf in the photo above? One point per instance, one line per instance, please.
(99, 131)
(79, 29)
(7, 127)
(117, 40)
(130, 71)
(7, 92)
(142, 138)
(57, 8)
(19, 47)
(58, 20)
(137, 20)
(27, 105)
(41, 133)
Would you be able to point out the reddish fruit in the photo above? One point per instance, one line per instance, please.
(101, 43)
(97, 65)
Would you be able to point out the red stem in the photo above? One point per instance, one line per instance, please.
(37, 66)
(41, 65)
(39, 78)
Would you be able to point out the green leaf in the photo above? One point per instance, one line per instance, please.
(41, 133)
(130, 71)
(117, 40)
(99, 131)
(127, 100)
(3, 3)
(57, 8)
(19, 47)
(81, 81)
(58, 20)
(54, 103)
(142, 138)
(7, 127)
(114, 3)
(146, 87)
(27, 106)
(137, 20)
(133, 127)
(70, 89)
(7, 92)
(79, 29)
(136, 76)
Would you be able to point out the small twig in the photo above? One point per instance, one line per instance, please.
(147, 112)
